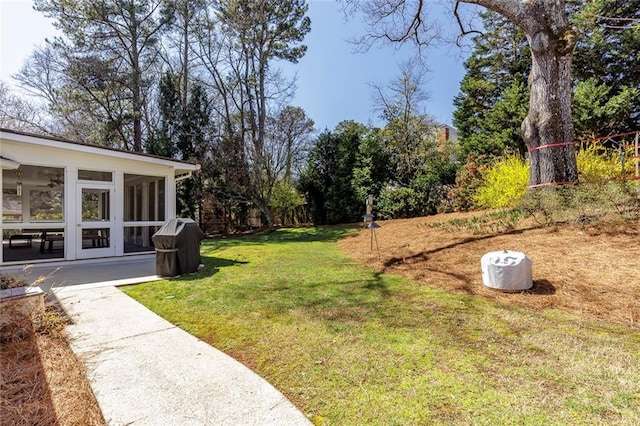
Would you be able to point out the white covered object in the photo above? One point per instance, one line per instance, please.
(506, 270)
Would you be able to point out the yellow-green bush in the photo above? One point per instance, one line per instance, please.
(505, 184)
(596, 164)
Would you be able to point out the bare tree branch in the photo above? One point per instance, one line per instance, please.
(395, 22)
(463, 32)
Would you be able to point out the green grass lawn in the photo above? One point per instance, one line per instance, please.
(350, 346)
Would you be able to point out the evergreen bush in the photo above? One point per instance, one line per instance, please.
(398, 203)
(468, 179)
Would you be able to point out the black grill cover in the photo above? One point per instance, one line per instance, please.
(177, 246)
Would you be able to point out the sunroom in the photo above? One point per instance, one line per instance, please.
(65, 201)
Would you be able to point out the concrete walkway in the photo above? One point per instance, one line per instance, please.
(146, 371)
(143, 369)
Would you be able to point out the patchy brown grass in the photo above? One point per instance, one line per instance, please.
(591, 270)
(42, 382)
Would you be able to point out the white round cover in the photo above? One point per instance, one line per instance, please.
(506, 270)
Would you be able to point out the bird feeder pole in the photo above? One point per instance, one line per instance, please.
(368, 217)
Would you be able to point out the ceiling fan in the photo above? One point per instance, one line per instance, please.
(55, 181)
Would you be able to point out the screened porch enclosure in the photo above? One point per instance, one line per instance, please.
(144, 211)
(33, 213)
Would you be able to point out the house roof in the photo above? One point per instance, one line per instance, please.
(18, 136)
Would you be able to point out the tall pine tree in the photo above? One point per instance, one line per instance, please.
(184, 133)
(109, 43)
(606, 71)
(493, 99)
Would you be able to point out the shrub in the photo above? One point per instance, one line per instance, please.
(504, 184)
(468, 179)
(397, 203)
(431, 185)
(426, 193)
(596, 164)
(285, 199)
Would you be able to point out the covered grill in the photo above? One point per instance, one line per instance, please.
(177, 246)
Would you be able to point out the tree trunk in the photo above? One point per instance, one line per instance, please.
(548, 128)
(136, 101)
(137, 122)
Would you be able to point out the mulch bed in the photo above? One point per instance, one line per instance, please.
(591, 270)
(42, 382)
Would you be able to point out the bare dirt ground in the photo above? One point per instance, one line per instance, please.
(591, 270)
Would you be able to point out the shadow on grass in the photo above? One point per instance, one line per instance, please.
(284, 235)
(350, 297)
(216, 262)
(334, 292)
(378, 284)
(212, 265)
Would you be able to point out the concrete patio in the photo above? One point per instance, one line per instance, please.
(88, 273)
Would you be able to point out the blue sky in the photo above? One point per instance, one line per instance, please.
(332, 78)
